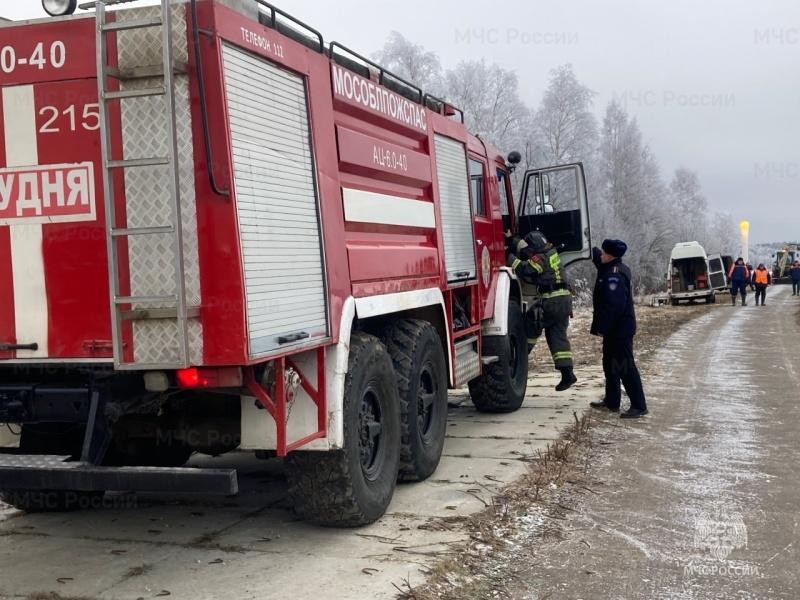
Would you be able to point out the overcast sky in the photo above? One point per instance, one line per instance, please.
(715, 84)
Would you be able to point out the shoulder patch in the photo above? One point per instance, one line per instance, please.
(536, 258)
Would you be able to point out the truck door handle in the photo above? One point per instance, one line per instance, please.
(294, 337)
(7, 347)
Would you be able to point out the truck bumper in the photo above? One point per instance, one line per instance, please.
(49, 472)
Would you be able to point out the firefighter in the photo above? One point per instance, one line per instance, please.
(537, 262)
(739, 276)
(761, 279)
(615, 320)
(794, 273)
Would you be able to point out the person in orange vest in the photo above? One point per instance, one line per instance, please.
(761, 280)
(739, 276)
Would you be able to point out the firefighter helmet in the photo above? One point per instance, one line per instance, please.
(536, 241)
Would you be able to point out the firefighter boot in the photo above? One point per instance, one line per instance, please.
(567, 379)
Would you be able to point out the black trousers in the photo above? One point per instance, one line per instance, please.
(795, 287)
(761, 292)
(619, 366)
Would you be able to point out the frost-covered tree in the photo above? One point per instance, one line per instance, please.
(489, 96)
(632, 197)
(564, 128)
(689, 204)
(412, 62)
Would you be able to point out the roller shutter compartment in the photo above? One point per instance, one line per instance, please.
(456, 210)
(276, 200)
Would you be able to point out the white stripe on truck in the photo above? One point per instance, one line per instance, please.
(369, 207)
(27, 258)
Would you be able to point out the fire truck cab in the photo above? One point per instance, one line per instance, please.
(219, 232)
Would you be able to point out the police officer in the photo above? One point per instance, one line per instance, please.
(615, 319)
(535, 261)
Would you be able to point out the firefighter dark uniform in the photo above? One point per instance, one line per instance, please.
(538, 263)
(615, 319)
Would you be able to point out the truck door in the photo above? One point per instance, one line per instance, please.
(483, 225)
(554, 201)
(716, 272)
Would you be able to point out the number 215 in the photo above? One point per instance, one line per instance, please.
(88, 120)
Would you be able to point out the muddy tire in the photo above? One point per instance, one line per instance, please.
(421, 371)
(353, 486)
(501, 387)
(56, 439)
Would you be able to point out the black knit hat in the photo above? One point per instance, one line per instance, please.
(615, 248)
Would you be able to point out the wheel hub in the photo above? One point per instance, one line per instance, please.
(370, 436)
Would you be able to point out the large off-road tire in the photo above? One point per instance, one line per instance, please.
(421, 370)
(353, 486)
(56, 439)
(501, 387)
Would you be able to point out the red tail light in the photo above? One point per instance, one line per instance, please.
(196, 377)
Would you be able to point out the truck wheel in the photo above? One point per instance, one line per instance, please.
(420, 367)
(501, 387)
(674, 301)
(57, 439)
(353, 486)
(711, 299)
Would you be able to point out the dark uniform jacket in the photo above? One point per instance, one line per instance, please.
(614, 313)
(795, 274)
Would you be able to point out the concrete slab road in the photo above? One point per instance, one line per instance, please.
(250, 546)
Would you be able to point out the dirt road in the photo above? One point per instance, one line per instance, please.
(700, 500)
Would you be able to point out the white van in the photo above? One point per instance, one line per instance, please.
(690, 278)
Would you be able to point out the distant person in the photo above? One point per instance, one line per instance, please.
(615, 319)
(794, 273)
(739, 276)
(761, 280)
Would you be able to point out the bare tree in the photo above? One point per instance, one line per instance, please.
(564, 127)
(690, 205)
(411, 62)
(489, 97)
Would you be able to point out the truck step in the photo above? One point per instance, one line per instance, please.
(160, 229)
(53, 472)
(468, 361)
(137, 162)
(132, 24)
(134, 93)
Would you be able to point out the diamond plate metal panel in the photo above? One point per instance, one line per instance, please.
(468, 362)
(145, 135)
(37, 461)
(142, 47)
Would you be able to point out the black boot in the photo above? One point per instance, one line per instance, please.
(567, 379)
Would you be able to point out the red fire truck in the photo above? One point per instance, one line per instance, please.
(219, 232)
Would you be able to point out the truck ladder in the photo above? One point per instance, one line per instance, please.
(166, 302)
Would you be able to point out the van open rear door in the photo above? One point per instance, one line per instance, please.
(716, 272)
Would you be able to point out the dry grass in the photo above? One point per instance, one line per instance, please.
(491, 563)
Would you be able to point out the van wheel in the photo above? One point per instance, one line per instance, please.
(353, 486)
(501, 387)
(420, 367)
